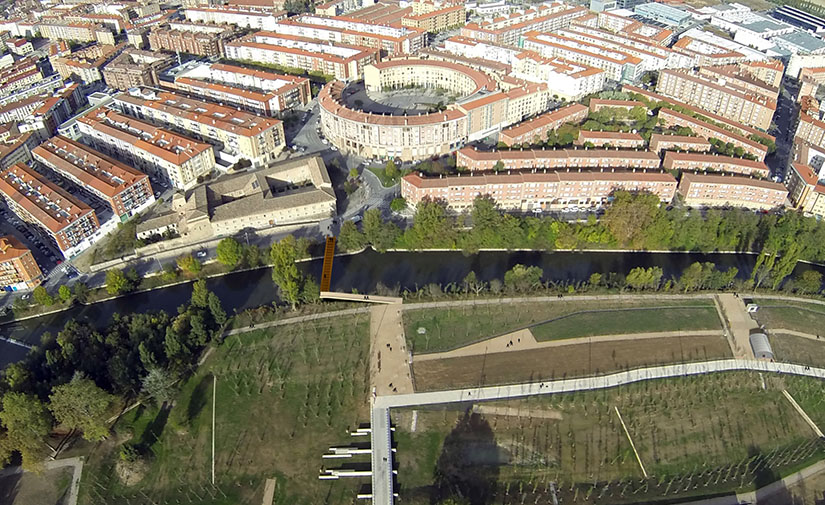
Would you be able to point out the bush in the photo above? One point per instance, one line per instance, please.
(398, 204)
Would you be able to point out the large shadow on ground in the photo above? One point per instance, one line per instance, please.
(468, 467)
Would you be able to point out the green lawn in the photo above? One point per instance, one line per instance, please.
(386, 181)
(284, 396)
(452, 327)
(686, 430)
(793, 315)
(588, 324)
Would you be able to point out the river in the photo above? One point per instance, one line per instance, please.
(242, 290)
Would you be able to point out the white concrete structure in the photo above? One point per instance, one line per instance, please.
(382, 466)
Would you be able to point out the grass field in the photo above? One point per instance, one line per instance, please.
(451, 327)
(696, 436)
(588, 324)
(791, 315)
(793, 349)
(284, 396)
(575, 360)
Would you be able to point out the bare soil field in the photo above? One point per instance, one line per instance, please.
(564, 361)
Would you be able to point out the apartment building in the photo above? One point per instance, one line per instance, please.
(660, 142)
(741, 77)
(258, 91)
(437, 19)
(727, 123)
(192, 38)
(623, 140)
(135, 67)
(709, 131)
(178, 159)
(84, 65)
(340, 61)
(805, 192)
(714, 163)
(810, 130)
(618, 66)
(654, 57)
(65, 220)
(565, 78)
(543, 189)
(77, 31)
(597, 104)
(507, 30)
(723, 97)
(524, 159)
(237, 134)
(18, 269)
(125, 189)
(15, 147)
(706, 53)
(719, 190)
(242, 17)
(634, 29)
(390, 40)
(536, 129)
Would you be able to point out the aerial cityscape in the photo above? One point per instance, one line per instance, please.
(426, 252)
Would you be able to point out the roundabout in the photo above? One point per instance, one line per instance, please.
(414, 109)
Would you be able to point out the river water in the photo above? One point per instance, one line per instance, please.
(248, 289)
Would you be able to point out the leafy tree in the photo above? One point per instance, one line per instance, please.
(431, 227)
(644, 278)
(390, 170)
(473, 284)
(499, 166)
(595, 279)
(83, 405)
(200, 294)
(27, 423)
(285, 273)
(398, 204)
(189, 264)
(637, 221)
(349, 238)
(116, 282)
(252, 256)
(81, 292)
(380, 234)
(159, 385)
(353, 173)
(522, 278)
(215, 308)
(65, 293)
(809, 282)
(42, 297)
(229, 252)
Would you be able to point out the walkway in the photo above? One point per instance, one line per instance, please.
(524, 340)
(740, 323)
(389, 358)
(77, 466)
(381, 446)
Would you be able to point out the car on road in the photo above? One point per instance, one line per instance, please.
(201, 254)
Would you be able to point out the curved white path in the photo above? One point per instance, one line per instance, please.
(382, 492)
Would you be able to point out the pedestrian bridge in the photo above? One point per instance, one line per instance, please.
(332, 295)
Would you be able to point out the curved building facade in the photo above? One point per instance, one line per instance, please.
(484, 111)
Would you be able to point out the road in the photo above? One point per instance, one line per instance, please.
(381, 444)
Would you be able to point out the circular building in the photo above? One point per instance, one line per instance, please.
(401, 133)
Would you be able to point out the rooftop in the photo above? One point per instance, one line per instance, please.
(11, 248)
(94, 169)
(52, 206)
